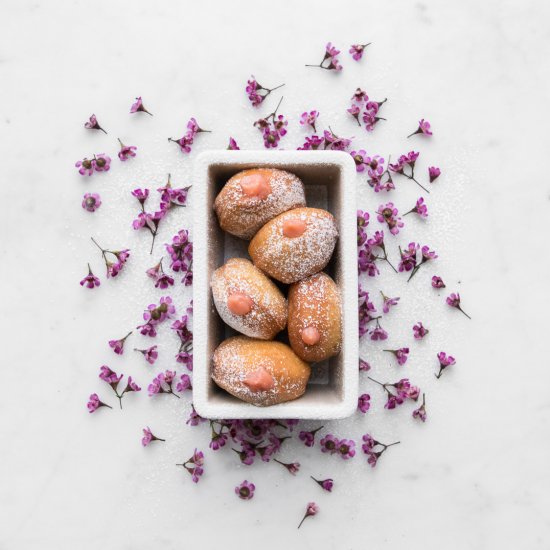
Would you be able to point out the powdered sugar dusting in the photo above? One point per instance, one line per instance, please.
(290, 259)
(238, 356)
(242, 215)
(269, 312)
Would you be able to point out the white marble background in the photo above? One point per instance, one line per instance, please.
(476, 474)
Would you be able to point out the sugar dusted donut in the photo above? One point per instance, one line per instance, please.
(259, 372)
(295, 244)
(315, 318)
(247, 300)
(253, 197)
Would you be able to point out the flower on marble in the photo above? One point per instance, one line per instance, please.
(366, 309)
(424, 128)
(113, 379)
(184, 355)
(419, 208)
(102, 162)
(256, 92)
(359, 159)
(118, 345)
(150, 354)
(444, 362)
(91, 202)
(378, 333)
(162, 280)
(194, 417)
(232, 145)
(95, 403)
(401, 354)
(363, 403)
(419, 331)
(408, 257)
(86, 166)
(148, 437)
(453, 300)
(154, 315)
(308, 438)
(309, 119)
(400, 391)
(407, 162)
(90, 281)
(126, 151)
(388, 302)
(437, 282)
(245, 490)
(162, 383)
(292, 467)
(138, 107)
(93, 124)
(312, 143)
(120, 257)
(181, 255)
(420, 413)
(355, 111)
(272, 127)
(329, 444)
(311, 510)
(186, 141)
(357, 50)
(374, 449)
(326, 484)
(334, 142)
(364, 365)
(194, 465)
(184, 383)
(389, 214)
(330, 60)
(433, 172)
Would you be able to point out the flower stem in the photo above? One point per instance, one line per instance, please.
(460, 309)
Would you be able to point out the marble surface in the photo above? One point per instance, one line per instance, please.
(476, 474)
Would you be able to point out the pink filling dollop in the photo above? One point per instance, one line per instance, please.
(259, 380)
(293, 228)
(255, 185)
(310, 336)
(239, 303)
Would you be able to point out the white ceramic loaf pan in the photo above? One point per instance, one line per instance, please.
(329, 179)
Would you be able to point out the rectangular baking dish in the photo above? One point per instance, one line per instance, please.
(329, 179)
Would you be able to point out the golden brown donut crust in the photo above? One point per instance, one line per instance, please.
(239, 356)
(242, 215)
(315, 302)
(291, 259)
(269, 312)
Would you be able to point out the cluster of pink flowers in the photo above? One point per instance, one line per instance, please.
(181, 256)
(185, 352)
(163, 383)
(400, 392)
(272, 127)
(113, 379)
(405, 167)
(194, 465)
(366, 311)
(156, 273)
(100, 163)
(154, 315)
(113, 267)
(256, 92)
(309, 119)
(330, 60)
(186, 141)
(374, 449)
(331, 444)
(362, 108)
(389, 214)
(409, 258)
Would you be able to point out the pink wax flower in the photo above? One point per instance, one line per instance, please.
(292, 467)
(419, 208)
(148, 437)
(444, 362)
(91, 202)
(433, 173)
(194, 465)
(424, 127)
(437, 282)
(102, 162)
(126, 151)
(401, 354)
(374, 449)
(311, 510)
(309, 119)
(233, 145)
(184, 383)
(359, 159)
(86, 166)
(245, 490)
(420, 413)
(388, 213)
(329, 444)
(357, 50)
(330, 60)
(308, 438)
(364, 365)
(138, 107)
(95, 403)
(150, 354)
(388, 303)
(90, 281)
(326, 484)
(454, 301)
(256, 92)
(118, 345)
(363, 403)
(93, 124)
(419, 331)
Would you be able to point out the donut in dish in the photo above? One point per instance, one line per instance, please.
(259, 372)
(315, 318)
(253, 197)
(295, 244)
(247, 300)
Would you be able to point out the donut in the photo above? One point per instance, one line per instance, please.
(247, 300)
(259, 372)
(253, 197)
(295, 244)
(315, 318)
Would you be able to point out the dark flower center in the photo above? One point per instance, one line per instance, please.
(244, 492)
(87, 163)
(387, 213)
(358, 159)
(155, 314)
(374, 164)
(101, 162)
(90, 202)
(330, 445)
(163, 308)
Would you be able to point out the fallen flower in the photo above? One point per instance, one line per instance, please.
(150, 354)
(245, 490)
(94, 403)
(420, 413)
(311, 510)
(444, 362)
(256, 92)
(91, 202)
(126, 151)
(424, 128)
(138, 107)
(148, 437)
(454, 301)
(330, 60)
(93, 124)
(357, 50)
(118, 345)
(326, 484)
(194, 465)
(90, 281)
